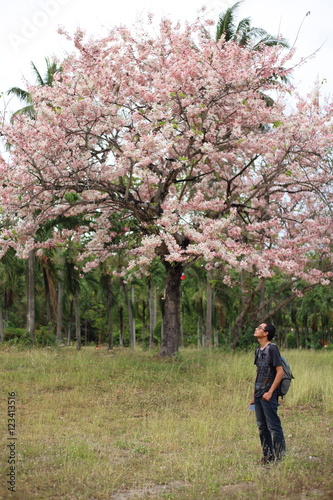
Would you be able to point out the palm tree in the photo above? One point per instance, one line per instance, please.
(72, 284)
(243, 33)
(24, 95)
(11, 285)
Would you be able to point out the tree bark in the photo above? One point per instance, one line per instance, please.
(132, 301)
(121, 326)
(199, 332)
(77, 320)
(31, 297)
(6, 312)
(143, 330)
(171, 320)
(209, 309)
(182, 340)
(130, 314)
(216, 337)
(152, 311)
(85, 332)
(60, 306)
(2, 334)
(70, 323)
(47, 297)
(110, 311)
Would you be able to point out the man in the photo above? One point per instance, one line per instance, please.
(265, 399)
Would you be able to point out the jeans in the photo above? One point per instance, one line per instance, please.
(270, 430)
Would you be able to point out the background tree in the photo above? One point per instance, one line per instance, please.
(243, 33)
(11, 286)
(25, 96)
(29, 110)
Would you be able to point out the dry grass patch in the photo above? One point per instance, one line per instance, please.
(99, 425)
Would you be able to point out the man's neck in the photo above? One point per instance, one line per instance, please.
(263, 342)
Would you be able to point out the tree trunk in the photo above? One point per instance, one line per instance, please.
(77, 320)
(31, 297)
(199, 332)
(133, 316)
(6, 312)
(85, 332)
(121, 326)
(216, 337)
(171, 320)
(130, 314)
(1, 327)
(154, 306)
(182, 340)
(60, 306)
(70, 323)
(47, 297)
(209, 309)
(152, 311)
(262, 297)
(110, 311)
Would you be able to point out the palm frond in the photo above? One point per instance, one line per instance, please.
(23, 95)
(27, 110)
(259, 33)
(271, 41)
(10, 269)
(38, 76)
(51, 69)
(226, 24)
(243, 32)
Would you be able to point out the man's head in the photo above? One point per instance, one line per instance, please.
(265, 330)
(271, 331)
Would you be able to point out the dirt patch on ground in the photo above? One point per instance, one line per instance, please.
(323, 495)
(149, 491)
(229, 490)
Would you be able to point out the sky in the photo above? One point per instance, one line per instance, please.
(28, 30)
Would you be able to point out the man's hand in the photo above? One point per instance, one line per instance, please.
(267, 396)
(278, 377)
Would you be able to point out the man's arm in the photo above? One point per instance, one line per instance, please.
(278, 377)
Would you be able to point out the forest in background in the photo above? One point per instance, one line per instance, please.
(105, 309)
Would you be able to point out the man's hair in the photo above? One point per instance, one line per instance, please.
(271, 330)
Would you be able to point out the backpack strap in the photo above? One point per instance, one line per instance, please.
(256, 355)
(268, 349)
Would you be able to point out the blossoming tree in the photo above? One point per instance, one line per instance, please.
(168, 144)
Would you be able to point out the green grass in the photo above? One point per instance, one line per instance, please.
(114, 425)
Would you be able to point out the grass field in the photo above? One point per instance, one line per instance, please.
(120, 425)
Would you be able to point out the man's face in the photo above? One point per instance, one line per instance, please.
(260, 332)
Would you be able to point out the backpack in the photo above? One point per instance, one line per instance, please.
(284, 385)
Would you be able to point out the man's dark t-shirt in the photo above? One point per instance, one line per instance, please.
(266, 361)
